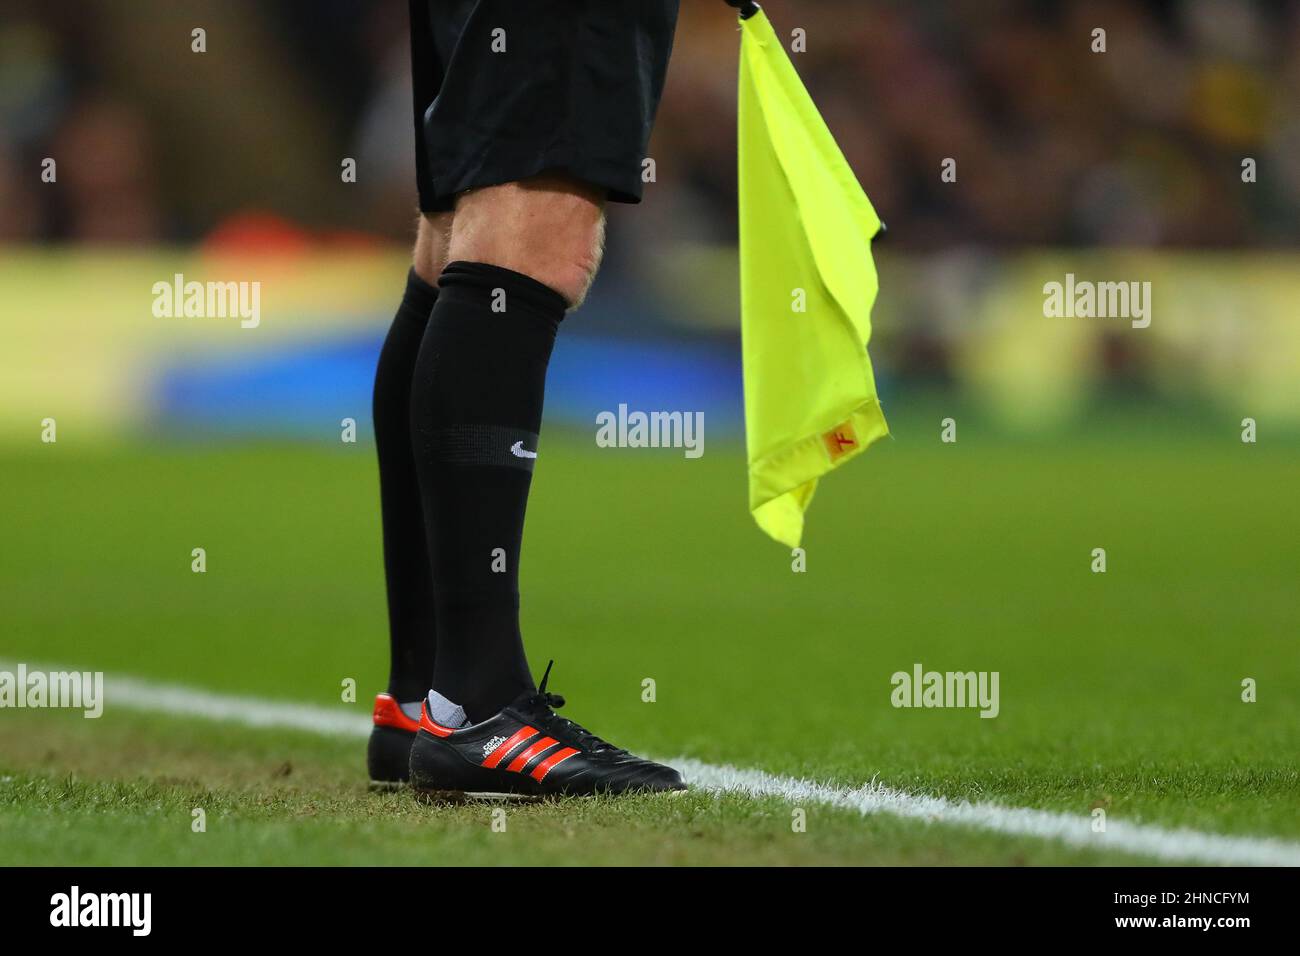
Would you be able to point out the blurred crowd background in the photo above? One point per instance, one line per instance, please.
(1058, 148)
(1055, 144)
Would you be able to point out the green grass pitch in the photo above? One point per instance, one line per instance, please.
(1119, 690)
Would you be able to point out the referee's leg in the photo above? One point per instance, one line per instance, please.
(549, 227)
(519, 255)
(433, 234)
(407, 574)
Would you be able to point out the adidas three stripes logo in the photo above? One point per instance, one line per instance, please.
(542, 755)
(529, 753)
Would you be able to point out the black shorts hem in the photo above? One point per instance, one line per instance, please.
(613, 180)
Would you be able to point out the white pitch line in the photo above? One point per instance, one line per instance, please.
(1140, 838)
(1074, 830)
(136, 693)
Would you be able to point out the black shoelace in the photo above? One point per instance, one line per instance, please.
(551, 702)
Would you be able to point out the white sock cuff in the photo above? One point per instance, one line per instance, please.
(445, 712)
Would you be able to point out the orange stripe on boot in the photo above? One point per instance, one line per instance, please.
(519, 736)
(545, 767)
(517, 765)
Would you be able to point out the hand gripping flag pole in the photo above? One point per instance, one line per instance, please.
(807, 285)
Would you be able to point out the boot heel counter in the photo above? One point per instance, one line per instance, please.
(388, 755)
(434, 764)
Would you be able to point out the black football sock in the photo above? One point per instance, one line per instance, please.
(476, 410)
(411, 618)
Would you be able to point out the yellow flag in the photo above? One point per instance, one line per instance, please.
(807, 283)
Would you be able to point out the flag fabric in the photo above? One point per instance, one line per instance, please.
(808, 283)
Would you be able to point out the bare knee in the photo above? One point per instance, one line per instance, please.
(432, 238)
(551, 228)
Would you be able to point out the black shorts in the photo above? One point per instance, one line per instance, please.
(574, 90)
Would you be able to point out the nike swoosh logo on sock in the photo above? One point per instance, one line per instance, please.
(518, 450)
